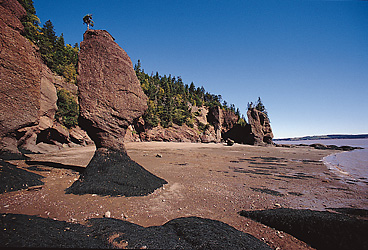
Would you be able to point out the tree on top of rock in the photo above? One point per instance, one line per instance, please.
(258, 106)
(87, 19)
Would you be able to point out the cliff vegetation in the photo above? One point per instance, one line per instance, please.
(60, 58)
(171, 101)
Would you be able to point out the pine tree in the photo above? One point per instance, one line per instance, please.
(87, 19)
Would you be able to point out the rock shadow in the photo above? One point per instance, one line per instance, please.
(56, 165)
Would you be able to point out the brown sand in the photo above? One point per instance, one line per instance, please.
(206, 180)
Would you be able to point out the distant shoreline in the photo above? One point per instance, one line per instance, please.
(324, 137)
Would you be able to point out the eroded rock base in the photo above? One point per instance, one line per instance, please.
(115, 174)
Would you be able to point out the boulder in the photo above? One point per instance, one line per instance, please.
(49, 135)
(260, 127)
(79, 136)
(110, 99)
(20, 75)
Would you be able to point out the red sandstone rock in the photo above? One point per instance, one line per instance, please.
(109, 92)
(260, 127)
(20, 75)
(175, 133)
(11, 12)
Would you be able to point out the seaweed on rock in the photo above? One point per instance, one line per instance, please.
(13, 178)
(320, 229)
(114, 173)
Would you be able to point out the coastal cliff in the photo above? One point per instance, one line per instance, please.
(20, 79)
(211, 125)
(28, 94)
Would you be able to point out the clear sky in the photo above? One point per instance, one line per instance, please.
(307, 60)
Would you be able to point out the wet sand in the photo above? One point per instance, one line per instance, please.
(206, 180)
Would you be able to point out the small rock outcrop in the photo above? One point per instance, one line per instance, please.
(110, 98)
(20, 78)
(260, 127)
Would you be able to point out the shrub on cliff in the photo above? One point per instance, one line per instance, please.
(68, 109)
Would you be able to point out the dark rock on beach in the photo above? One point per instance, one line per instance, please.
(320, 229)
(110, 98)
(333, 147)
(182, 233)
(17, 230)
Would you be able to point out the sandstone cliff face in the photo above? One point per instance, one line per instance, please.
(20, 77)
(260, 127)
(49, 135)
(109, 92)
(28, 94)
(213, 120)
(110, 98)
(175, 133)
(217, 122)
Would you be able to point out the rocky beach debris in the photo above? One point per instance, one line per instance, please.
(110, 99)
(320, 229)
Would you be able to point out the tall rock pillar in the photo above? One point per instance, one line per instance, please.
(110, 98)
(260, 127)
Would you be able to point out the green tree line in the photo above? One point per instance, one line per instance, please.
(60, 58)
(170, 100)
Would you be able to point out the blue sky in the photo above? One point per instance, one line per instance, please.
(307, 60)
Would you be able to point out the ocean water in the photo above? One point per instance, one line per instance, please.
(352, 166)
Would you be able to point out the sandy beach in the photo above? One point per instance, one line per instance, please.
(212, 181)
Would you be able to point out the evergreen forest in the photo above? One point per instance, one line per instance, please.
(170, 100)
